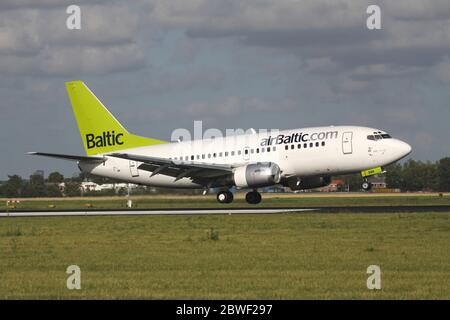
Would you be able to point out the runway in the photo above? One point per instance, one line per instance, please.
(227, 211)
(150, 212)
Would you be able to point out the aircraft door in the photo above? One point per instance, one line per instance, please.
(133, 169)
(347, 142)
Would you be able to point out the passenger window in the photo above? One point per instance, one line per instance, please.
(214, 155)
(209, 155)
(317, 144)
(305, 145)
(203, 156)
(239, 152)
(232, 153)
(292, 147)
(274, 149)
(257, 150)
(323, 143)
(299, 146)
(252, 151)
(268, 149)
(286, 147)
(246, 151)
(192, 157)
(226, 153)
(262, 150)
(220, 154)
(311, 144)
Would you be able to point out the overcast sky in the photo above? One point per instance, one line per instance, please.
(160, 65)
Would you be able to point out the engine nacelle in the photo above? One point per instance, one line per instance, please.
(296, 183)
(254, 175)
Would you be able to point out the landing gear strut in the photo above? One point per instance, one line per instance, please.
(366, 185)
(253, 197)
(225, 196)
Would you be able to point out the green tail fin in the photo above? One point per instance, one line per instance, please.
(99, 130)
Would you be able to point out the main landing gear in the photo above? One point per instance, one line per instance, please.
(225, 196)
(252, 197)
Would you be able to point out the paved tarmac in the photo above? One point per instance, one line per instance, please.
(206, 211)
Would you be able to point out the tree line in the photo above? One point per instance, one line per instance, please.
(38, 186)
(420, 176)
(411, 175)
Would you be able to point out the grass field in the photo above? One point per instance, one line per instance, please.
(209, 201)
(280, 256)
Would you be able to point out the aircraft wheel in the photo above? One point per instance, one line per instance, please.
(366, 185)
(253, 197)
(224, 197)
(230, 196)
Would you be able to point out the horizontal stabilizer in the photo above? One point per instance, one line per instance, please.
(69, 157)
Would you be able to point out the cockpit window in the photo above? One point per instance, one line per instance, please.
(378, 136)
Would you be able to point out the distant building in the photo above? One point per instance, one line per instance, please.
(335, 186)
(39, 173)
(87, 186)
(378, 182)
(273, 189)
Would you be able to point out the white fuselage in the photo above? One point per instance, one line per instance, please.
(318, 151)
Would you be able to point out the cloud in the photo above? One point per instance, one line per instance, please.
(47, 4)
(442, 71)
(413, 36)
(419, 10)
(91, 60)
(36, 41)
(234, 105)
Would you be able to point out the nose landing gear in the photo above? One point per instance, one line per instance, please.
(366, 185)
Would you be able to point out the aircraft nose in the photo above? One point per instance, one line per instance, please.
(403, 148)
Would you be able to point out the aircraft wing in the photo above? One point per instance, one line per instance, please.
(178, 169)
(69, 157)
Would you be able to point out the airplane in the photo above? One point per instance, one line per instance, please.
(300, 159)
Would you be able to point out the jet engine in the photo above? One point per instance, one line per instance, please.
(296, 183)
(259, 174)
